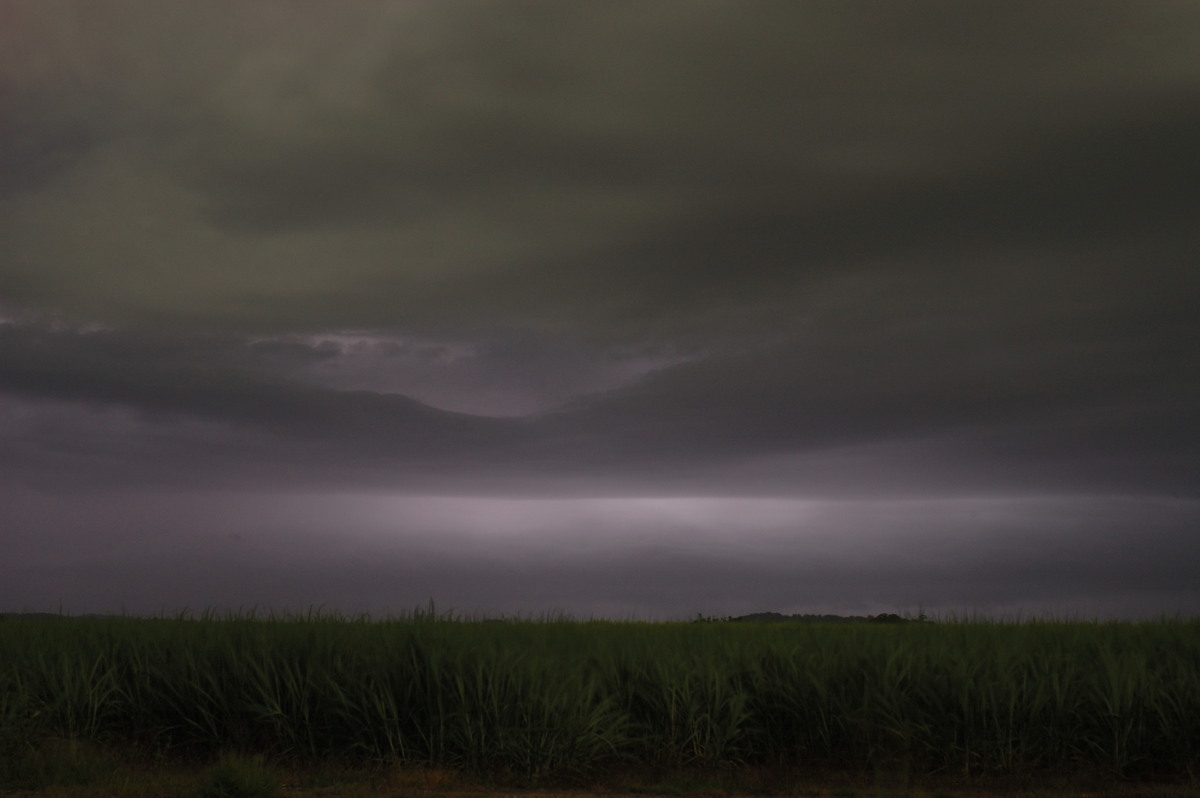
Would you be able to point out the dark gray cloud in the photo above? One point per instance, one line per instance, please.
(569, 250)
(659, 166)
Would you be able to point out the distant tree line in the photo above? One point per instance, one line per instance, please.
(778, 617)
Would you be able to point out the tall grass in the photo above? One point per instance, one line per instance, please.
(538, 698)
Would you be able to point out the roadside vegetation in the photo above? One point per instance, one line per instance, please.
(560, 701)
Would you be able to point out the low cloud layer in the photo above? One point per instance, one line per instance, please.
(631, 252)
(648, 558)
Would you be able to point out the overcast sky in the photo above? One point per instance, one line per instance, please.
(633, 309)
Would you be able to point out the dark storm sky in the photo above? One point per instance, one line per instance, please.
(621, 308)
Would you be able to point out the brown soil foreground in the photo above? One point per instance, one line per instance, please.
(422, 783)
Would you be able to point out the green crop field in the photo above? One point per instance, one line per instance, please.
(548, 698)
